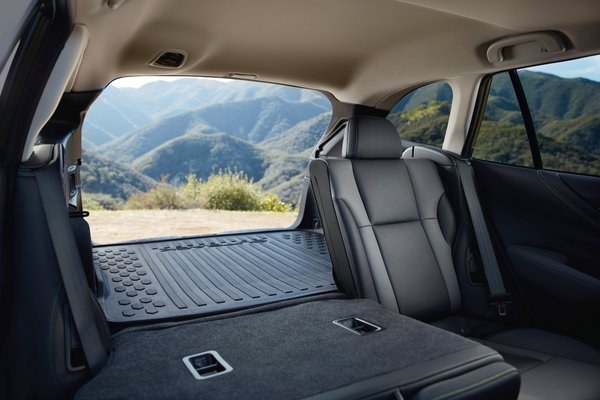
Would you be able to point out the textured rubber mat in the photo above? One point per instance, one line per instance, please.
(195, 276)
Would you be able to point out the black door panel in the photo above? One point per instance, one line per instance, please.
(586, 187)
(552, 272)
(556, 183)
(551, 236)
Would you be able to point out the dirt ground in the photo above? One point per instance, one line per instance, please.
(117, 226)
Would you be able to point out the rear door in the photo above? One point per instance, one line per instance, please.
(536, 156)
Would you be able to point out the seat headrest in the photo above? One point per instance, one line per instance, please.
(371, 138)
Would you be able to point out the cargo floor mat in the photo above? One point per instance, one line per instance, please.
(205, 275)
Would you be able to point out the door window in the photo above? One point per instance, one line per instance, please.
(544, 117)
(564, 101)
(502, 136)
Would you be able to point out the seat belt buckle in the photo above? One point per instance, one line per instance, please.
(501, 303)
(502, 309)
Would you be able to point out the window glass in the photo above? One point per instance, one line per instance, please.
(502, 136)
(564, 101)
(191, 156)
(422, 115)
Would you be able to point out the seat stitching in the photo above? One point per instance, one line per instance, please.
(360, 236)
(376, 240)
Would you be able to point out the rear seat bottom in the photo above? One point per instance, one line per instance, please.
(298, 352)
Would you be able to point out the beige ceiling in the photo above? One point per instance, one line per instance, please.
(361, 51)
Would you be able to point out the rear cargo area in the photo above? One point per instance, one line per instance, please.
(156, 280)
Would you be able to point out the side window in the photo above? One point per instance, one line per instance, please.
(422, 115)
(502, 136)
(564, 101)
(563, 109)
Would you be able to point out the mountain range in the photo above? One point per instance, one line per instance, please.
(201, 126)
(134, 137)
(122, 110)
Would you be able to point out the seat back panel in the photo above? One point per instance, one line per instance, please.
(390, 210)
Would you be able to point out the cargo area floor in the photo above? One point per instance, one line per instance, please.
(205, 275)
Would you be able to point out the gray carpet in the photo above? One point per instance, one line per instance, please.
(288, 353)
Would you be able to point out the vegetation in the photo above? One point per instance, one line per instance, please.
(224, 190)
(162, 197)
(201, 154)
(104, 176)
(425, 123)
(101, 201)
(503, 142)
(300, 138)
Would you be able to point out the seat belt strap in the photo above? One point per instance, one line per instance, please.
(498, 295)
(71, 270)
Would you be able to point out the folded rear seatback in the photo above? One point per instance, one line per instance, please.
(299, 352)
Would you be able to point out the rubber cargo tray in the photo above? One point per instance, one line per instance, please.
(204, 275)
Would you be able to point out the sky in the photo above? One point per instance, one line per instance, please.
(588, 67)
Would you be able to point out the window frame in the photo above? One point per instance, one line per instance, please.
(534, 146)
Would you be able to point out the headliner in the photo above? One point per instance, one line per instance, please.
(361, 51)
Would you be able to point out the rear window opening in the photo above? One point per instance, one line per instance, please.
(194, 156)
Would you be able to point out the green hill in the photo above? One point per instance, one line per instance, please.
(284, 175)
(439, 91)
(424, 123)
(301, 137)
(550, 97)
(252, 120)
(258, 119)
(128, 148)
(103, 175)
(201, 154)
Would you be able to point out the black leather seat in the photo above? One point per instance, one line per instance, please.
(397, 229)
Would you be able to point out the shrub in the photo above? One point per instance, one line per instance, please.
(163, 196)
(191, 194)
(231, 191)
(100, 201)
(271, 202)
(224, 190)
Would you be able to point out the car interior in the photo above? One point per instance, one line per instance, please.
(415, 270)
